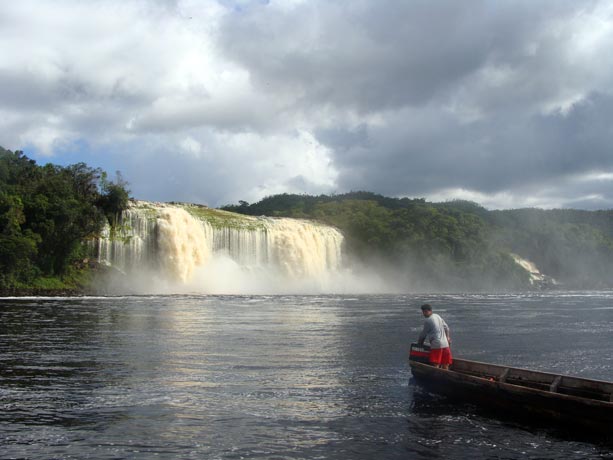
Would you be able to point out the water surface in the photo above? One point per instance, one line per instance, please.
(233, 377)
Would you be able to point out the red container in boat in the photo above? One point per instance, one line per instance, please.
(419, 353)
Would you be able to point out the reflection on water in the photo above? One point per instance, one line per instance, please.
(278, 377)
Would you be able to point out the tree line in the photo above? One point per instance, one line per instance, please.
(46, 214)
(459, 245)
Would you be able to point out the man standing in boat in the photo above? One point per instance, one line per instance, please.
(436, 332)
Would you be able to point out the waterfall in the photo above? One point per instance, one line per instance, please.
(537, 278)
(190, 244)
(182, 243)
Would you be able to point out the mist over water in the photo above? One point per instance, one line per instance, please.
(223, 276)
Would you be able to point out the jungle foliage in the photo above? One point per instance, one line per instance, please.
(46, 213)
(460, 244)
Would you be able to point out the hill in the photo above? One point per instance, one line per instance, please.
(460, 244)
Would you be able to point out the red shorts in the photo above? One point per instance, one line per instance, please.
(440, 356)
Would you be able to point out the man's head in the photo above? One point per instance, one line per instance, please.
(426, 310)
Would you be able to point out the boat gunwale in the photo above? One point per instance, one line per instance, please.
(513, 387)
(502, 366)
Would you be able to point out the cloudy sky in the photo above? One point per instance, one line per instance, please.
(507, 103)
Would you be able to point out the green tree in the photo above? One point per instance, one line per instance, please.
(46, 212)
(114, 198)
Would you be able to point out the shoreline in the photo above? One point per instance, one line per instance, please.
(41, 292)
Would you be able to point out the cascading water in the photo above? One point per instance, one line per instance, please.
(182, 243)
(206, 249)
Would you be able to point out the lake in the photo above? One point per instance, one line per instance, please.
(280, 377)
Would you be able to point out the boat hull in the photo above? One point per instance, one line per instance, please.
(493, 392)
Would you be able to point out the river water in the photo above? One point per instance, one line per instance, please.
(280, 377)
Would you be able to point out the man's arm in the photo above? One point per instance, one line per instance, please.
(447, 331)
(423, 334)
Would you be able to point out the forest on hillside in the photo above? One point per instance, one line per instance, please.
(459, 245)
(46, 214)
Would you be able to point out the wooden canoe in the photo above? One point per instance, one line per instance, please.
(572, 401)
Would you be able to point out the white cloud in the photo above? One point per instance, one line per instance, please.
(500, 200)
(595, 176)
(237, 100)
(191, 146)
(46, 139)
(270, 164)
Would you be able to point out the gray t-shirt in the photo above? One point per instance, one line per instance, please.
(435, 329)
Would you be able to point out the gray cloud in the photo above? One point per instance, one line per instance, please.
(506, 102)
(419, 152)
(382, 55)
(485, 97)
